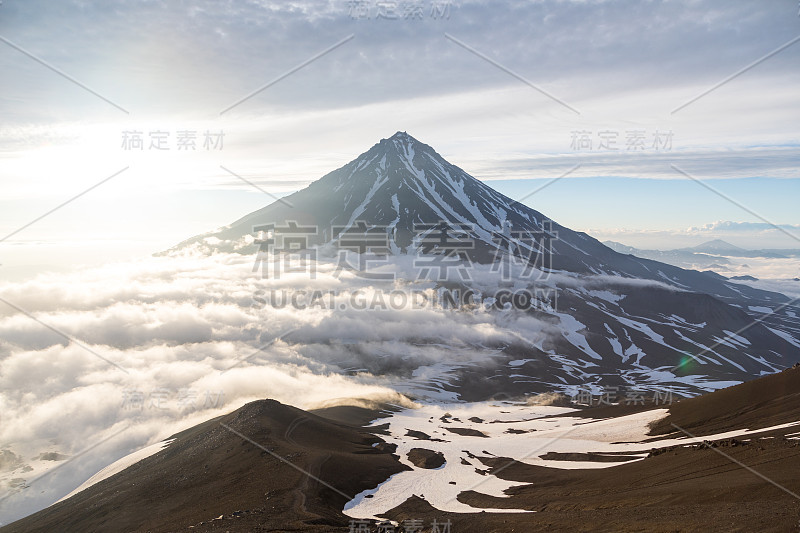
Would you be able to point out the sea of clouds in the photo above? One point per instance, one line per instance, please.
(99, 363)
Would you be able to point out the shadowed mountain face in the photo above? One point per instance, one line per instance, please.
(619, 319)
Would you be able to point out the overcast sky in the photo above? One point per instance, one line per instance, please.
(509, 92)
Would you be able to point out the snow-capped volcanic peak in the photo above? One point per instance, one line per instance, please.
(396, 186)
(401, 181)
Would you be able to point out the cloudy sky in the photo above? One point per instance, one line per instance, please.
(516, 94)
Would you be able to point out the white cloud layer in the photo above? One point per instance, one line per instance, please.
(183, 334)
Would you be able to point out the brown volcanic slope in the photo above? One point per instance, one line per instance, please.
(695, 488)
(210, 471)
(764, 402)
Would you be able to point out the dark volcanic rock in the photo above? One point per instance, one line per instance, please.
(593, 457)
(467, 432)
(424, 458)
(419, 435)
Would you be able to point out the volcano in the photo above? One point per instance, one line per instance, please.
(621, 320)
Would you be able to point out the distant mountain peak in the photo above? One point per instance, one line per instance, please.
(717, 245)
